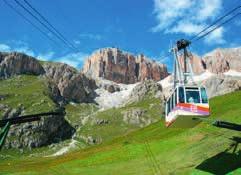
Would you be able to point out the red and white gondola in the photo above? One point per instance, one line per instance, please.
(187, 100)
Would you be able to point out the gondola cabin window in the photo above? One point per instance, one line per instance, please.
(175, 103)
(181, 95)
(173, 100)
(192, 95)
(171, 103)
(168, 106)
(204, 95)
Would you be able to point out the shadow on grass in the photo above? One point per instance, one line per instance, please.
(224, 162)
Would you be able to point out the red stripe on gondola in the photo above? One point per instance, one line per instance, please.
(187, 105)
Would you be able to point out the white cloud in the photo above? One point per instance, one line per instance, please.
(73, 59)
(186, 16)
(23, 48)
(76, 41)
(4, 48)
(216, 37)
(167, 12)
(209, 9)
(46, 56)
(186, 27)
(90, 36)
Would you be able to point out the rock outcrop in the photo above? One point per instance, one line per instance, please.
(122, 67)
(48, 130)
(18, 63)
(145, 89)
(220, 85)
(137, 117)
(110, 86)
(218, 61)
(198, 65)
(72, 85)
(222, 60)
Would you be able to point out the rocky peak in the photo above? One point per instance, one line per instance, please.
(218, 61)
(72, 85)
(122, 67)
(222, 60)
(15, 63)
(198, 65)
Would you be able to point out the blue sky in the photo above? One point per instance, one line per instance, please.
(136, 26)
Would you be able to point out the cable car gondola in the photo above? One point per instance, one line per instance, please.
(187, 99)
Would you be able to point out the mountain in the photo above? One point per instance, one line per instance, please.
(223, 60)
(72, 85)
(154, 149)
(97, 109)
(218, 61)
(18, 63)
(122, 67)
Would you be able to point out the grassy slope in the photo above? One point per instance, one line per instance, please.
(26, 90)
(30, 91)
(116, 126)
(151, 150)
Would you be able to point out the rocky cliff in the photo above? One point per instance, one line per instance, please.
(72, 85)
(121, 67)
(63, 84)
(198, 65)
(18, 63)
(222, 60)
(218, 61)
(221, 84)
(48, 130)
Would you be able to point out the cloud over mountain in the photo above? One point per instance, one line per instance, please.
(187, 17)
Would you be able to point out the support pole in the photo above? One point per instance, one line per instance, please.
(3, 134)
(185, 65)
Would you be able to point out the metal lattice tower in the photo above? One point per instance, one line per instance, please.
(182, 75)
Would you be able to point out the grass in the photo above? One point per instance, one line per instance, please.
(116, 126)
(150, 150)
(76, 112)
(28, 91)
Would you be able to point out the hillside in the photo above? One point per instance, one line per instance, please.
(151, 150)
(26, 94)
(108, 127)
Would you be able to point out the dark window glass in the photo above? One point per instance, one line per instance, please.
(175, 97)
(191, 88)
(171, 103)
(181, 95)
(204, 95)
(192, 96)
(168, 106)
(173, 100)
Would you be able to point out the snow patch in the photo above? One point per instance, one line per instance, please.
(108, 100)
(166, 82)
(233, 73)
(204, 76)
(65, 149)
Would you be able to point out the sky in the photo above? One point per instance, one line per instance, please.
(149, 27)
